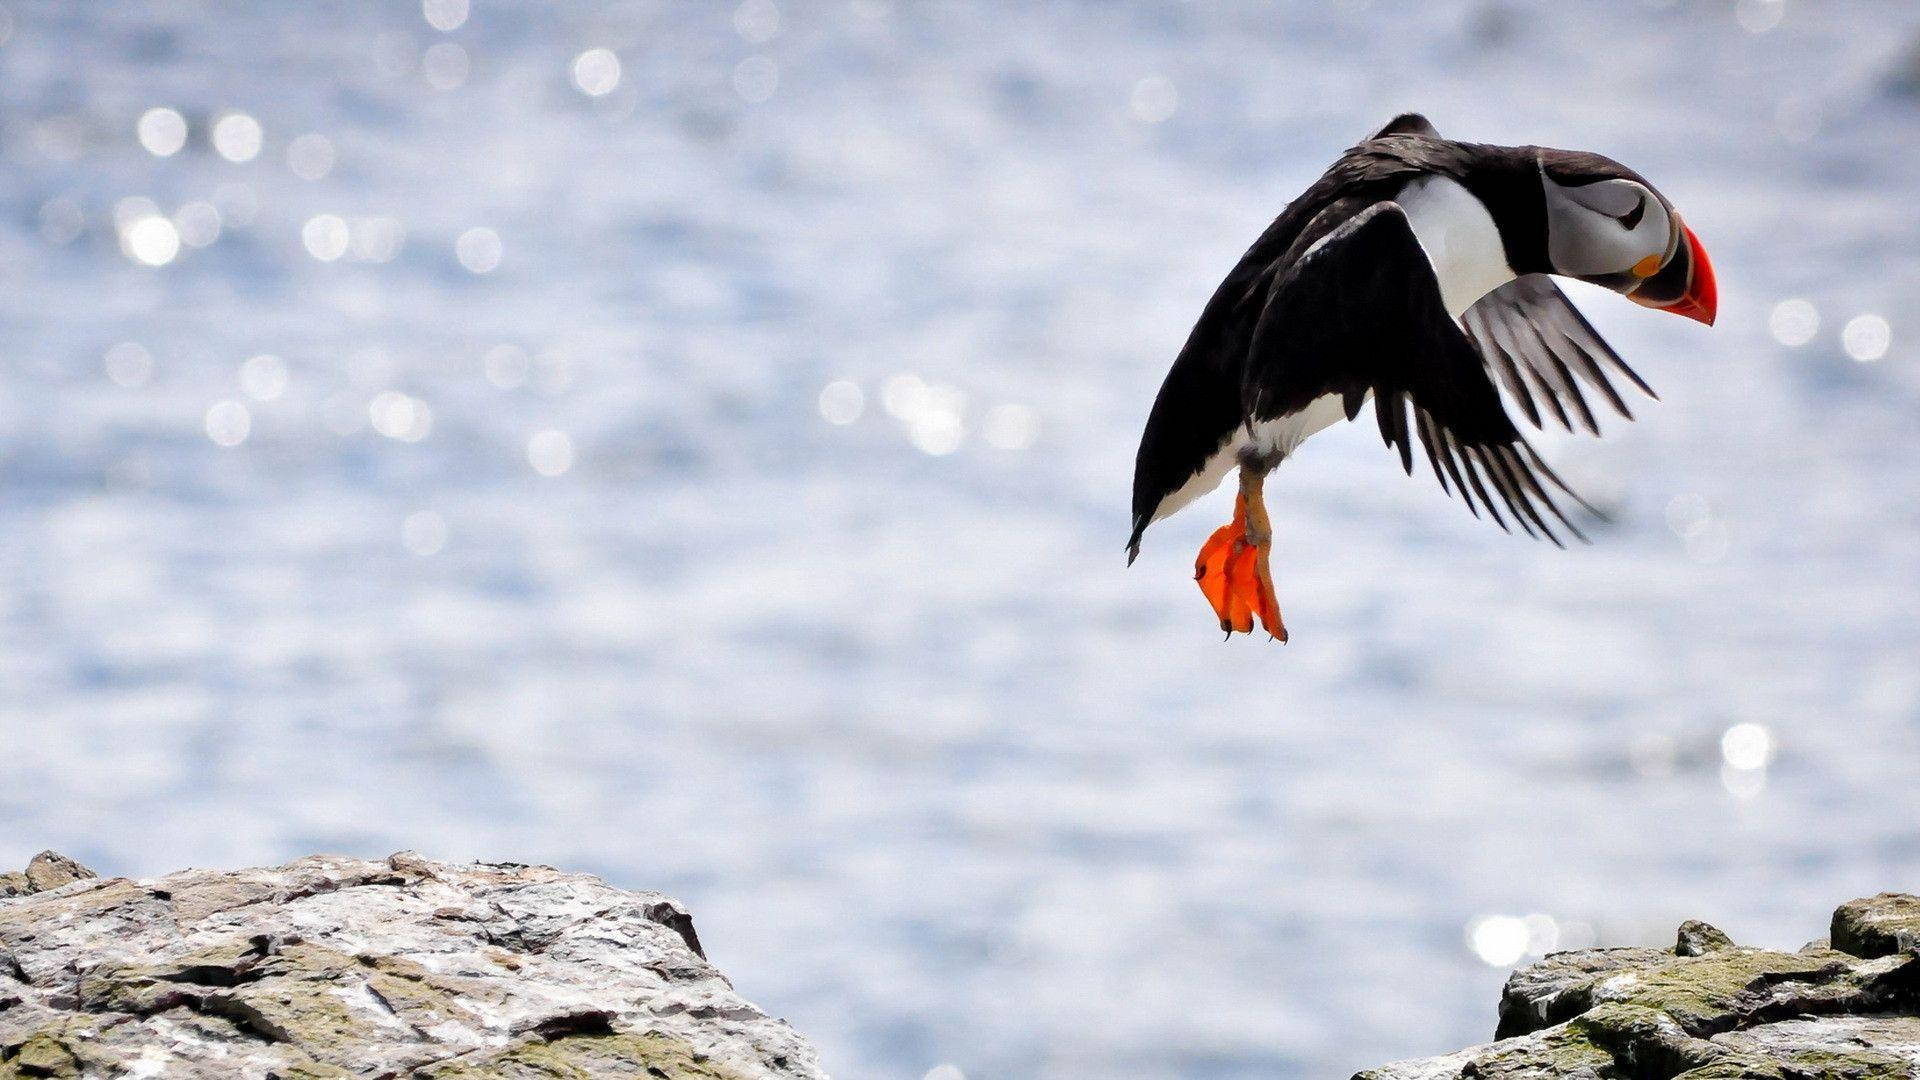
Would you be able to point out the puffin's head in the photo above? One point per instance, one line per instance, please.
(1607, 225)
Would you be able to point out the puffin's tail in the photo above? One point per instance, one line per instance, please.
(1193, 418)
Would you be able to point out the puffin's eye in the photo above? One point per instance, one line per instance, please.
(1631, 219)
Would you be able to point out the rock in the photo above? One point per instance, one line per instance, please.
(50, 870)
(1558, 988)
(1711, 1010)
(47, 870)
(1888, 1044)
(1877, 926)
(334, 967)
(1698, 939)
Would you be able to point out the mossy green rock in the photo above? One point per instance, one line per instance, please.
(1712, 993)
(1877, 925)
(42, 1055)
(1708, 1009)
(585, 1057)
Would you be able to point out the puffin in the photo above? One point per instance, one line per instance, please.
(1415, 274)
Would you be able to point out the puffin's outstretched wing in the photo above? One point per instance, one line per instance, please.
(1542, 348)
(1361, 313)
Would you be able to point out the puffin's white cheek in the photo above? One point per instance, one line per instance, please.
(1655, 233)
(1582, 243)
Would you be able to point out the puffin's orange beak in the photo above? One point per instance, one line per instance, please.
(1685, 285)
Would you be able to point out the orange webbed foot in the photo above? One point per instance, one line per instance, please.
(1233, 576)
(1210, 569)
(1265, 604)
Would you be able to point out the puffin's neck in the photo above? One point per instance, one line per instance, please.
(1460, 240)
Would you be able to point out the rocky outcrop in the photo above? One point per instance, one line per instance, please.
(336, 967)
(1877, 926)
(1708, 1009)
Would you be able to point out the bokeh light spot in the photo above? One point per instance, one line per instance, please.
(1866, 338)
(940, 428)
(1498, 940)
(162, 132)
(310, 156)
(1794, 322)
(400, 416)
(1708, 544)
(1543, 934)
(841, 402)
(150, 240)
(263, 377)
(478, 249)
(129, 364)
(757, 21)
(1154, 99)
(445, 15)
(198, 223)
(596, 72)
(903, 396)
(237, 137)
(756, 78)
(325, 236)
(1746, 746)
(228, 423)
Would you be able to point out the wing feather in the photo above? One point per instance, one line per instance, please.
(1543, 351)
(1359, 313)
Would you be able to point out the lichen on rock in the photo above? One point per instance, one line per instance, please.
(1709, 1009)
(328, 968)
(585, 1057)
(1698, 939)
(1877, 925)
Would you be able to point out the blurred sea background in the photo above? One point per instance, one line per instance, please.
(691, 443)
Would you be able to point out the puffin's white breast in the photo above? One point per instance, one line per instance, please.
(1280, 437)
(1270, 439)
(1459, 239)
